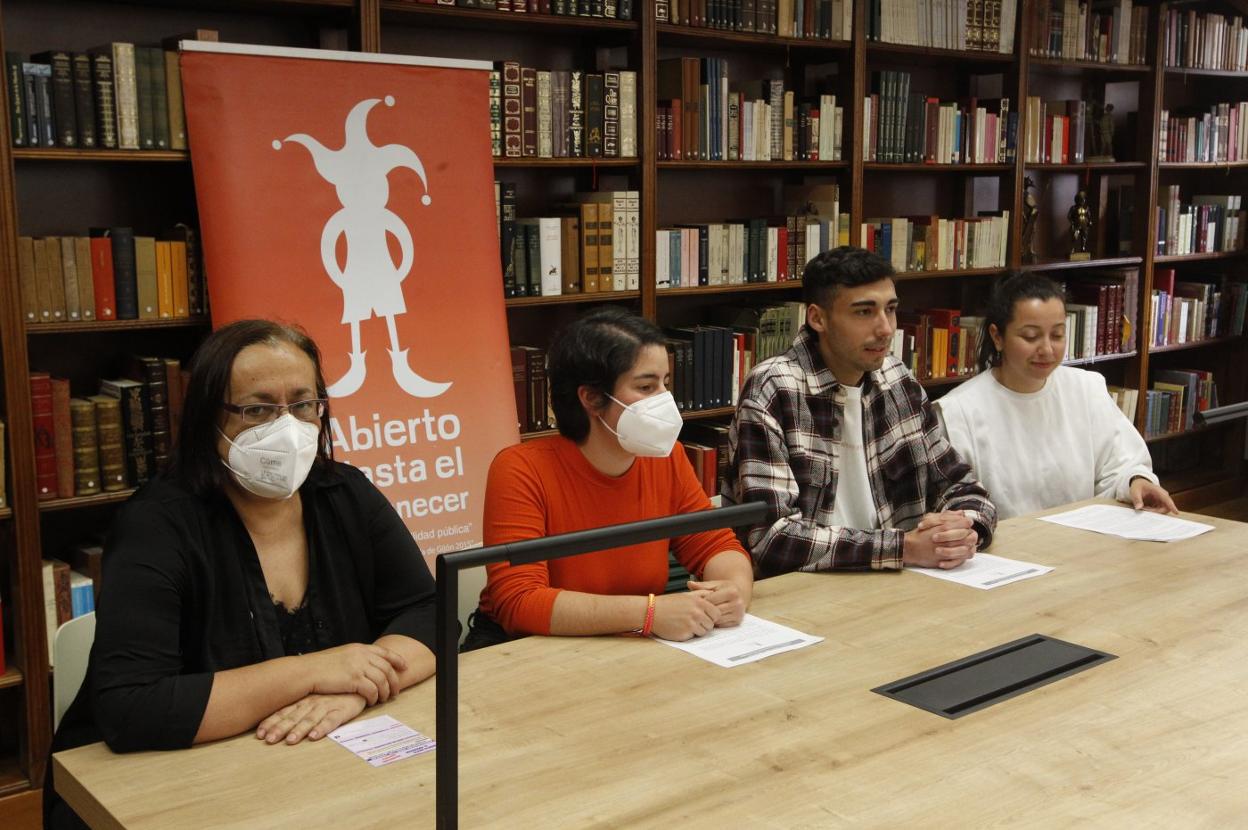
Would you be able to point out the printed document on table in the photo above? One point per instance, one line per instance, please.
(1139, 525)
(382, 740)
(754, 639)
(986, 571)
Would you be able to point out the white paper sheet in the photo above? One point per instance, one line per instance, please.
(986, 571)
(753, 640)
(382, 740)
(1139, 525)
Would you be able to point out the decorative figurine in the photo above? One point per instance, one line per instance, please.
(1080, 216)
(1102, 132)
(1030, 213)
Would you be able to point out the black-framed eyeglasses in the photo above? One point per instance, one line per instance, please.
(313, 409)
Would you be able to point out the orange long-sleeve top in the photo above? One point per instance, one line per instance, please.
(546, 487)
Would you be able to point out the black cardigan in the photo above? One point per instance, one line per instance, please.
(183, 596)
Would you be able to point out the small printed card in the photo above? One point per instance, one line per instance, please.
(382, 740)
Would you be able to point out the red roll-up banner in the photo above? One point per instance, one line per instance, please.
(353, 194)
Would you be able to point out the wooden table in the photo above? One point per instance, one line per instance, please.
(622, 732)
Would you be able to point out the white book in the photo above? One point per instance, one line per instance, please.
(663, 259)
(773, 242)
(736, 254)
(550, 255)
(632, 202)
(545, 117)
(628, 114)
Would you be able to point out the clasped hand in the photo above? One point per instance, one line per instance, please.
(941, 540)
(707, 604)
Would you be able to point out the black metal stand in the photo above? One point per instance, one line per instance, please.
(519, 553)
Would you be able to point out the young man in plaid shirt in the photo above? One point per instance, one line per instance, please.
(840, 441)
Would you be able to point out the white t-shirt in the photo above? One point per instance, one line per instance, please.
(1067, 442)
(854, 506)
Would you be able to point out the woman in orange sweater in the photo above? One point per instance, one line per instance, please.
(615, 460)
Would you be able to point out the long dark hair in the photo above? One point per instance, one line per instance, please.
(593, 351)
(1006, 294)
(195, 462)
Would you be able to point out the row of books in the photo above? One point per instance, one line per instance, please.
(934, 243)
(936, 342)
(905, 126)
(976, 25)
(1205, 40)
(613, 9)
(117, 96)
(1105, 32)
(1056, 132)
(1176, 397)
(1126, 399)
(596, 248)
(810, 131)
(741, 253)
(1207, 224)
(814, 19)
(1219, 135)
(1104, 314)
(111, 275)
(705, 117)
(1185, 312)
(107, 442)
(70, 590)
(562, 113)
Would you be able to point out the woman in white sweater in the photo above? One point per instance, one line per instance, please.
(1039, 434)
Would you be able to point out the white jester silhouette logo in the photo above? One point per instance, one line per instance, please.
(371, 282)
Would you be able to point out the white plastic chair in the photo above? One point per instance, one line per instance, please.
(70, 651)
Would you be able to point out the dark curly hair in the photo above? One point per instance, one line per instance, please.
(847, 266)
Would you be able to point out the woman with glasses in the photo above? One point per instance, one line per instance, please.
(258, 584)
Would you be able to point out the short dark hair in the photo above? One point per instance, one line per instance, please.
(843, 266)
(196, 464)
(594, 351)
(1007, 292)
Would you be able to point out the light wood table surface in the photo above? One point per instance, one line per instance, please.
(623, 732)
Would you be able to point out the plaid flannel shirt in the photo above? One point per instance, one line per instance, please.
(785, 451)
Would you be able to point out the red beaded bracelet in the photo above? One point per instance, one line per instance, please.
(649, 623)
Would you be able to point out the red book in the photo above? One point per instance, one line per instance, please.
(45, 442)
(948, 319)
(519, 360)
(782, 259)
(102, 276)
(62, 438)
(676, 129)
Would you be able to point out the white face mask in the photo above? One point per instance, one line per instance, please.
(648, 427)
(272, 460)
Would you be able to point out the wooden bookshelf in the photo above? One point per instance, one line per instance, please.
(64, 154)
(1091, 167)
(565, 162)
(1100, 358)
(94, 326)
(1201, 257)
(12, 677)
(53, 505)
(958, 272)
(1201, 165)
(1227, 74)
(1075, 264)
(670, 34)
(962, 56)
(1195, 344)
(406, 11)
(572, 299)
(1062, 66)
(1195, 429)
(723, 166)
(706, 414)
(918, 167)
(728, 289)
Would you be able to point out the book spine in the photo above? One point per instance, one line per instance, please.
(17, 100)
(45, 440)
(173, 101)
(145, 277)
(528, 111)
(62, 86)
(105, 102)
(146, 89)
(156, 383)
(86, 447)
(159, 97)
(628, 114)
(124, 276)
(545, 116)
(111, 443)
(496, 113)
(576, 114)
(126, 96)
(62, 438)
(84, 101)
(611, 115)
(594, 114)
